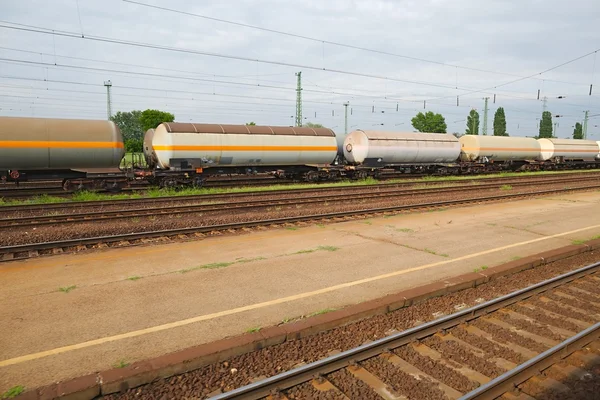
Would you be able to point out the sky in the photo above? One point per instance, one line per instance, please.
(235, 61)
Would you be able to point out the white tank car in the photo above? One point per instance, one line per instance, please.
(376, 147)
(190, 145)
(569, 149)
(498, 148)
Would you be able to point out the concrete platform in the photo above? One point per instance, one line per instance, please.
(133, 303)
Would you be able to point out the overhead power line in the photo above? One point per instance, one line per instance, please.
(520, 79)
(42, 30)
(323, 41)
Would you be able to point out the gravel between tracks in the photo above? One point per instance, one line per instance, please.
(276, 359)
(27, 235)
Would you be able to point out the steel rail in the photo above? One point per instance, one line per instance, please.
(41, 220)
(265, 222)
(315, 369)
(511, 379)
(256, 193)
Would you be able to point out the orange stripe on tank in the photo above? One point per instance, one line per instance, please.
(26, 144)
(525, 149)
(246, 148)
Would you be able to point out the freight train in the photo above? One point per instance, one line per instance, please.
(87, 154)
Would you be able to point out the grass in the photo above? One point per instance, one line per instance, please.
(120, 364)
(434, 252)
(134, 278)
(320, 248)
(506, 187)
(323, 311)
(13, 392)
(367, 222)
(130, 158)
(156, 192)
(578, 242)
(515, 258)
(67, 289)
(328, 248)
(426, 250)
(405, 230)
(307, 251)
(247, 260)
(216, 265)
(482, 268)
(253, 330)
(292, 228)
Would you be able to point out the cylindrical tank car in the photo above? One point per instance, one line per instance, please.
(498, 148)
(377, 148)
(34, 147)
(568, 149)
(186, 145)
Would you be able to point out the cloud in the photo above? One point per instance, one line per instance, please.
(515, 38)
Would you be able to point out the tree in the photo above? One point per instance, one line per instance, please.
(312, 125)
(472, 123)
(129, 124)
(250, 123)
(546, 125)
(150, 119)
(429, 122)
(578, 131)
(500, 123)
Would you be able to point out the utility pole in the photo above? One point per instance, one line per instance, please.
(585, 123)
(555, 133)
(299, 99)
(108, 85)
(346, 118)
(544, 104)
(485, 116)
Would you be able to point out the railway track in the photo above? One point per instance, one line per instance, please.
(20, 193)
(220, 203)
(56, 207)
(24, 251)
(487, 351)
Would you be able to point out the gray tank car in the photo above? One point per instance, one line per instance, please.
(498, 148)
(37, 148)
(560, 150)
(389, 148)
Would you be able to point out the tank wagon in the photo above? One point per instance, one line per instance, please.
(186, 153)
(564, 150)
(83, 153)
(490, 149)
(87, 153)
(405, 151)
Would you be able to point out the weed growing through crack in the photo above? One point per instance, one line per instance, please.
(328, 248)
(13, 392)
(120, 364)
(323, 311)
(253, 330)
(67, 289)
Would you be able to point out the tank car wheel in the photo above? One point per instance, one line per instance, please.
(359, 175)
(198, 182)
(168, 183)
(311, 176)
